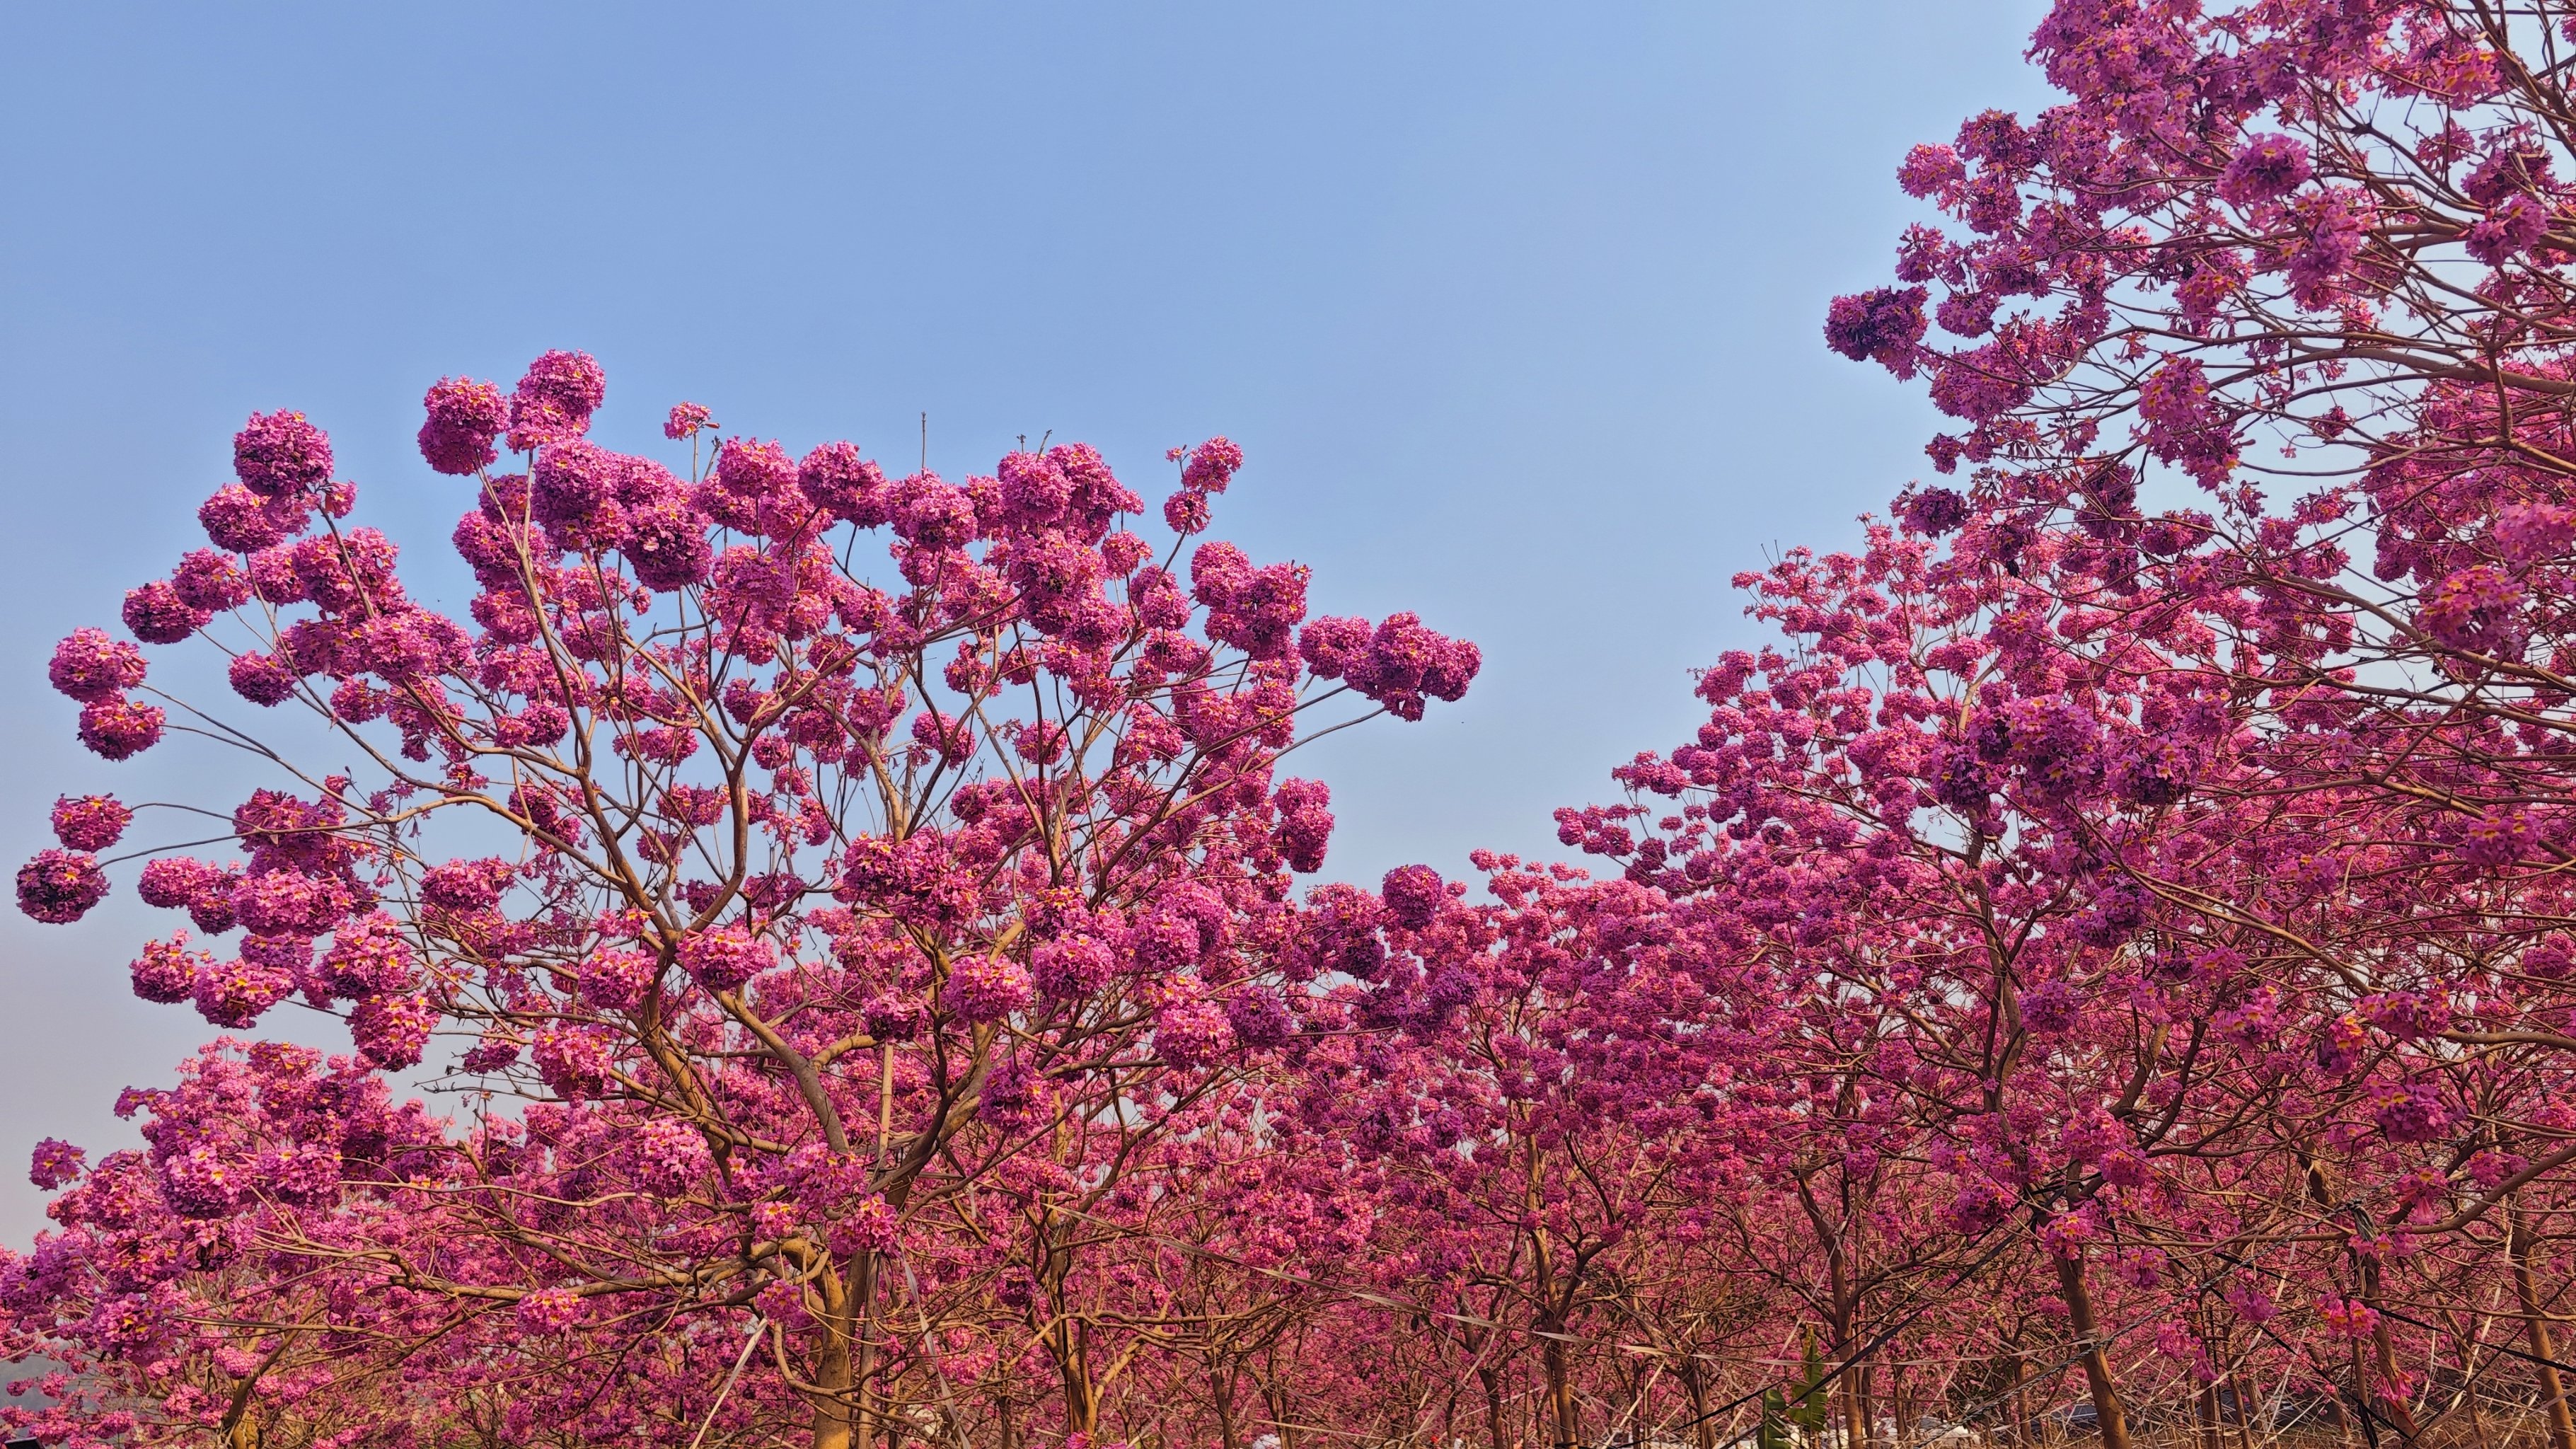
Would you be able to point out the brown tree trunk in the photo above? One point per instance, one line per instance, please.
(1221, 1392)
(1496, 1435)
(1904, 1403)
(1081, 1398)
(2553, 1394)
(2113, 1425)
(1560, 1383)
(2392, 1407)
(841, 1365)
(1846, 1334)
(1274, 1395)
(1695, 1383)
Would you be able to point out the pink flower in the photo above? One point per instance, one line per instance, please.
(984, 987)
(1413, 894)
(59, 886)
(1191, 1032)
(199, 1183)
(2347, 1317)
(1933, 511)
(1884, 325)
(262, 679)
(573, 495)
(1332, 647)
(497, 1048)
(281, 453)
(306, 1174)
(572, 1060)
(90, 822)
(392, 1031)
(1305, 826)
(2183, 423)
(554, 400)
(464, 417)
(1977, 1206)
(2339, 1046)
(2532, 532)
(2250, 1303)
(725, 960)
(549, 1310)
(1211, 466)
(2050, 1007)
(670, 1157)
(167, 971)
(753, 469)
(2411, 1114)
(931, 514)
(1072, 968)
(233, 994)
(1930, 169)
(837, 480)
(2266, 167)
(1016, 1097)
(2511, 227)
(370, 956)
(54, 1163)
(2498, 838)
(666, 545)
(467, 885)
(91, 667)
(866, 1224)
(173, 882)
(618, 980)
(2066, 1234)
(1186, 512)
(210, 581)
(687, 420)
(157, 614)
(239, 521)
(2473, 610)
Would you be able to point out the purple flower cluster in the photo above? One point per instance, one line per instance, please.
(1305, 825)
(2473, 610)
(2265, 168)
(1397, 664)
(687, 420)
(281, 453)
(59, 886)
(55, 1163)
(725, 960)
(1206, 469)
(554, 401)
(464, 417)
(1882, 325)
(1413, 895)
(90, 822)
(987, 987)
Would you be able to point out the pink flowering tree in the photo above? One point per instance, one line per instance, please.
(771, 896)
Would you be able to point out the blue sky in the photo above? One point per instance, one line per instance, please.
(1514, 309)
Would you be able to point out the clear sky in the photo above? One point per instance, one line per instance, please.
(1514, 310)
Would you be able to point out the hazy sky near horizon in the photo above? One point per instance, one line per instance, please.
(1514, 310)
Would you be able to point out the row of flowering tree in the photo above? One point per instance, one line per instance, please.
(2107, 964)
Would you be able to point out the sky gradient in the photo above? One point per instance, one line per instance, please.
(1514, 311)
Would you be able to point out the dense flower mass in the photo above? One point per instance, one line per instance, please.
(976, 841)
(465, 417)
(2101, 960)
(60, 885)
